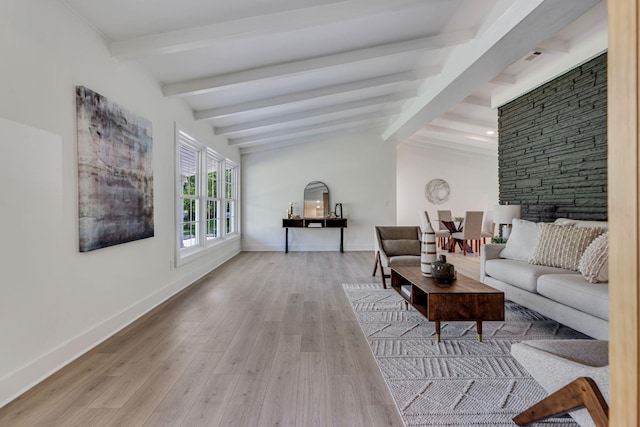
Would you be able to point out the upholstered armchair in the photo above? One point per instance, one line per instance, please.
(396, 246)
(575, 372)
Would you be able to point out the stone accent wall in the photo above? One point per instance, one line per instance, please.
(552, 153)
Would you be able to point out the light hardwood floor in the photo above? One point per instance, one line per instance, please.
(266, 339)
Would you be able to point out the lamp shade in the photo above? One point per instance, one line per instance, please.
(504, 214)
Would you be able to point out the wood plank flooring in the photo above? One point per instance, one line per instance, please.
(266, 339)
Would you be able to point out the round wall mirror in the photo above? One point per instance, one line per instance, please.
(316, 200)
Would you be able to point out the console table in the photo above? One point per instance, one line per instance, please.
(313, 223)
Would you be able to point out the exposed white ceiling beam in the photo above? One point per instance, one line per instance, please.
(465, 124)
(476, 100)
(290, 20)
(554, 44)
(454, 146)
(589, 47)
(290, 133)
(446, 133)
(317, 112)
(524, 25)
(247, 149)
(213, 83)
(231, 110)
(504, 79)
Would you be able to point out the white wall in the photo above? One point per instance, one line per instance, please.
(472, 178)
(55, 303)
(360, 171)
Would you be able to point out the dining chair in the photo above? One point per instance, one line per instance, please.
(472, 231)
(442, 233)
(488, 227)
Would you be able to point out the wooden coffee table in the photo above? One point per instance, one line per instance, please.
(465, 299)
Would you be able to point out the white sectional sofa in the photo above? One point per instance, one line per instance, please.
(563, 294)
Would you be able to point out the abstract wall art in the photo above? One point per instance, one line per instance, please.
(437, 191)
(115, 173)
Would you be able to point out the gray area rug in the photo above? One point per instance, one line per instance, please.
(458, 381)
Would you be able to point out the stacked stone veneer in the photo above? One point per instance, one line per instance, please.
(552, 153)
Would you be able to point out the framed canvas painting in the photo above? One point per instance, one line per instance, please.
(115, 173)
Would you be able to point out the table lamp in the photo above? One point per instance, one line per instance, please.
(504, 215)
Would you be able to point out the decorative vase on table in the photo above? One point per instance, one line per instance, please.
(442, 271)
(428, 250)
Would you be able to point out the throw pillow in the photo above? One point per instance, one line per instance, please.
(401, 247)
(594, 264)
(565, 221)
(562, 246)
(522, 240)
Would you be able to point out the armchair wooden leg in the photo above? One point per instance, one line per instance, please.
(384, 283)
(375, 263)
(578, 393)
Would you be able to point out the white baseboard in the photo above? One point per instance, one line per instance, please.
(32, 373)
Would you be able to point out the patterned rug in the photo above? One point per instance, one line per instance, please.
(458, 381)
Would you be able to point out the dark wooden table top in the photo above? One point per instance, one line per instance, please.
(462, 285)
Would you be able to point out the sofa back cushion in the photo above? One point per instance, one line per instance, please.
(581, 223)
(522, 240)
(562, 246)
(594, 264)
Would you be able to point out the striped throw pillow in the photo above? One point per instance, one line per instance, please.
(561, 246)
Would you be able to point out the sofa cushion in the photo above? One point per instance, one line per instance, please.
(594, 264)
(519, 273)
(573, 290)
(401, 247)
(522, 240)
(562, 246)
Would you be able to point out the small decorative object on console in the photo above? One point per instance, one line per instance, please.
(442, 271)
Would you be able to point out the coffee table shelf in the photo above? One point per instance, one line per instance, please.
(464, 300)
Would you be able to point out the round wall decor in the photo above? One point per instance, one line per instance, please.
(437, 191)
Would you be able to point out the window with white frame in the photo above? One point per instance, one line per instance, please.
(231, 197)
(207, 196)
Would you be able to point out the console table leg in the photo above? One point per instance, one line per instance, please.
(341, 238)
(286, 240)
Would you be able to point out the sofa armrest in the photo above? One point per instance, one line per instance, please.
(487, 252)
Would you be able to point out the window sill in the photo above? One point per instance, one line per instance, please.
(185, 256)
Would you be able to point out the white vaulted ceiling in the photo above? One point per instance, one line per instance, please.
(273, 73)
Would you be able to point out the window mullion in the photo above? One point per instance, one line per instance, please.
(220, 199)
(202, 197)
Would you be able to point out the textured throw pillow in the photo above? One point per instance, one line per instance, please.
(522, 240)
(401, 247)
(561, 246)
(594, 264)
